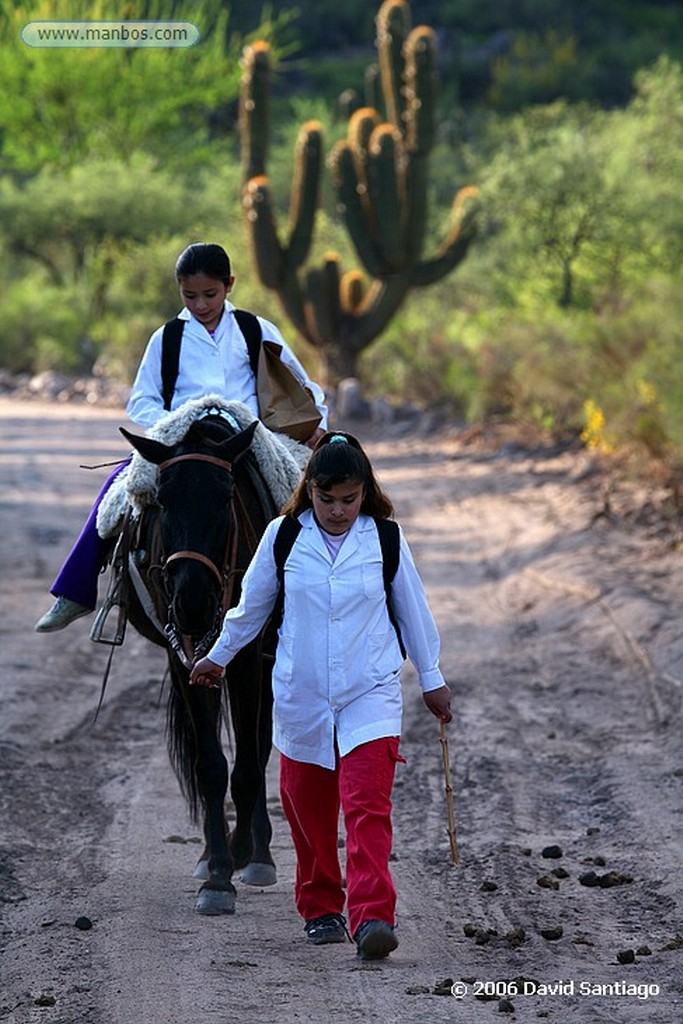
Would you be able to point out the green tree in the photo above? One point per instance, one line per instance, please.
(550, 197)
(66, 233)
(104, 153)
(58, 105)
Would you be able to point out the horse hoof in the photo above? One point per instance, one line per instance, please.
(212, 902)
(201, 871)
(259, 874)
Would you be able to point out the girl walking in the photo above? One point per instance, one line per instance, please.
(337, 688)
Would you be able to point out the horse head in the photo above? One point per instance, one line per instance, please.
(198, 526)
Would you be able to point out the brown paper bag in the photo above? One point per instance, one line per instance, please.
(285, 405)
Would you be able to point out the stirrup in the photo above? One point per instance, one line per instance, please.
(113, 599)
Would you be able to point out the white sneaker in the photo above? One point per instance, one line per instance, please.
(63, 612)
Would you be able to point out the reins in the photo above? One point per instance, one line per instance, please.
(226, 575)
(222, 574)
(196, 457)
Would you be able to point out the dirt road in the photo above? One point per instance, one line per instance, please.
(563, 644)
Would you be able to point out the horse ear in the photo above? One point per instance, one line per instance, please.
(233, 447)
(152, 451)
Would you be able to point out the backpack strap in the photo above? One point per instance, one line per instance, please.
(287, 532)
(390, 543)
(248, 324)
(170, 358)
(250, 327)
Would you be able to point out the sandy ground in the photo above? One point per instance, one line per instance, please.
(563, 644)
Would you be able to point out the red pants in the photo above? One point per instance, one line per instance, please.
(311, 796)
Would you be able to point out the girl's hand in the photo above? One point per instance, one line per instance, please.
(439, 703)
(206, 673)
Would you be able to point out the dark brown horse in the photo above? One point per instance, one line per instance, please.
(181, 570)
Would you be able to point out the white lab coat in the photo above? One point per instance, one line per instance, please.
(338, 661)
(217, 365)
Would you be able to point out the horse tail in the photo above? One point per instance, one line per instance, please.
(185, 743)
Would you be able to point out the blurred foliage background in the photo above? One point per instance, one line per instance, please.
(567, 116)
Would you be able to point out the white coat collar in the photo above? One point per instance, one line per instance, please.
(353, 541)
(185, 314)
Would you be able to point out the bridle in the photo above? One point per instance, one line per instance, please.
(225, 575)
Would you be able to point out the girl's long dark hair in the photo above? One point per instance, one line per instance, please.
(338, 458)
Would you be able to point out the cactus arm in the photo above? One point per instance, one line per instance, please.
(420, 55)
(261, 219)
(453, 249)
(361, 126)
(350, 205)
(393, 26)
(382, 300)
(351, 292)
(387, 195)
(305, 193)
(420, 90)
(254, 126)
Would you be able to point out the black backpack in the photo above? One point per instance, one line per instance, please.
(170, 349)
(389, 541)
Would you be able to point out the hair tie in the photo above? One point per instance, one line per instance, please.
(337, 439)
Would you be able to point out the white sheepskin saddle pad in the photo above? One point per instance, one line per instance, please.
(280, 459)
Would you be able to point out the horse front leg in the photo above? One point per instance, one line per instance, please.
(252, 745)
(217, 894)
(260, 871)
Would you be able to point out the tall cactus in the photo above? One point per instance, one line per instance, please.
(379, 173)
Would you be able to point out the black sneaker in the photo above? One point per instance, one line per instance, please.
(328, 928)
(375, 940)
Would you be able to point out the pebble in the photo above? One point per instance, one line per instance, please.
(626, 956)
(488, 886)
(515, 937)
(547, 882)
(443, 988)
(613, 878)
(44, 1000)
(553, 934)
(551, 852)
(505, 1006)
(83, 923)
(606, 881)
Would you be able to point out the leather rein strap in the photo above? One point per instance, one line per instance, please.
(196, 457)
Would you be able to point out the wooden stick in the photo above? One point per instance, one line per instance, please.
(450, 803)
